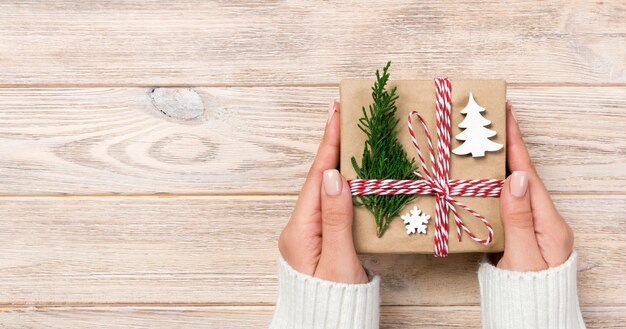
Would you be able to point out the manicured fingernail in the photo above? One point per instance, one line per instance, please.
(519, 183)
(332, 182)
(510, 107)
(332, 108)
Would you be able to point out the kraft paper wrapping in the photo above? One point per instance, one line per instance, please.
(420, 96)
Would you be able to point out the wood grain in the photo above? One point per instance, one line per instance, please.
(114, 141)
(234, 317)
(216, 250)
(194, 43)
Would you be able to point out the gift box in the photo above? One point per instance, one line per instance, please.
(478, 209)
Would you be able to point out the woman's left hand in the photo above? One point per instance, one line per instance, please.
(536, 236)
(318, 237)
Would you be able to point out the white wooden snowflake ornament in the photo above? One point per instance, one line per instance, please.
(415, 221)
(475, 135)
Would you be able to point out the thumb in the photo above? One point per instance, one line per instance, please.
(338, 260)
(521, 251)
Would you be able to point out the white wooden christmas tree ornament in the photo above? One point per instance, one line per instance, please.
(475, 136)
(415, 221)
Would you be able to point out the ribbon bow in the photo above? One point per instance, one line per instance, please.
(437, 182)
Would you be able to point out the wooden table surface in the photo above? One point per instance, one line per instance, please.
(126, 205)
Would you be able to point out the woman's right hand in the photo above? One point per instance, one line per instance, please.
(317, 240)
(536, 236)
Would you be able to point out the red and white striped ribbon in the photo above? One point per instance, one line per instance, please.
(437, 182)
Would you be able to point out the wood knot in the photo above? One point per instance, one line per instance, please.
(176, 103)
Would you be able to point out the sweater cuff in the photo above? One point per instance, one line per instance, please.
(543, 299)
(308, 302)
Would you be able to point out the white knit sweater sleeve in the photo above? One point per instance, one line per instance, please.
(544, 299)
(308, 302)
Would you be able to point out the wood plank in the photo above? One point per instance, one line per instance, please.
(563, 127)
(114, 141)
(216, 250)
(274, 43)
(255, 317)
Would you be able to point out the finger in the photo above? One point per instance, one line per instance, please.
(338, 261)
(328, 151)
(556, 237)
(521, 250)
(336, 213)
(518, 159)
(517, 155)
(308, 204)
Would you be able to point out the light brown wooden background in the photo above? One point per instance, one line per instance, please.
(113, 215)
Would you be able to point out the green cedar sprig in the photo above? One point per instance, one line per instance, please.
(383, 155)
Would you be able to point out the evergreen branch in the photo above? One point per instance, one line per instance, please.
(383, 154)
